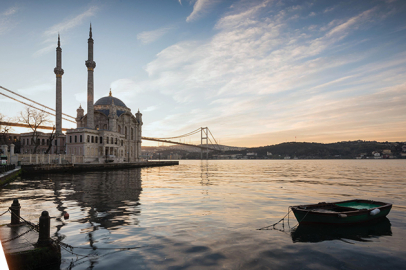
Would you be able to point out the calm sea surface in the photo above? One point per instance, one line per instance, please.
(205, 215)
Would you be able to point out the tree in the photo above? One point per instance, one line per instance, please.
(33, 118)
(4, 129)
(50, 140)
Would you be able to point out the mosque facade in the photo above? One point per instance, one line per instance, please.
(109, 132)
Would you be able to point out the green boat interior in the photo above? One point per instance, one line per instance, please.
(359, 205)
(341, 207)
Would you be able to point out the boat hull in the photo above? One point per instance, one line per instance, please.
(320, 213)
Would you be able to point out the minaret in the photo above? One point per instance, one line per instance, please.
(90, 64)
(138, 116)
(58, 72)
(113, 116)
(79, 116)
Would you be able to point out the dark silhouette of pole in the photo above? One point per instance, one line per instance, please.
(15, 212)
(44, 237)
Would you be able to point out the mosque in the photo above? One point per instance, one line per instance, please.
(109, 131)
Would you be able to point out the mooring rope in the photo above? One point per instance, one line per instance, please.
(282, 219)
(302, 219)
(17, 236)
(66, 247)
(34, 226)
(4, 212)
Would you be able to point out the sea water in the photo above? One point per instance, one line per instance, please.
(206, 215)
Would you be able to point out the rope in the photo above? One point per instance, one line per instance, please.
(66, 247)
(17, 236)
(273, 225)
(32, 225)
(4, 212)
(301, 219)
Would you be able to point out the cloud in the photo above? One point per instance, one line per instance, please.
(37, 89)
(200, 8)
(71, 23)
(150, 109)
(6, 20)
(147, 37)
(63, 27)
(10, 11)
(352, 21)
(261, 74)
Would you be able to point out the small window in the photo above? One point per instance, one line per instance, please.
(88, 138)
(101, 139)
(43, 141)
(122, 142)
(80, 138)
(56, 142)
(116, 140)
(76, 138)
(97, 138)
(70, 139)
(107, 141)
(92, 139)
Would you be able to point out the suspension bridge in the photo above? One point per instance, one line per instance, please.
(207, 140)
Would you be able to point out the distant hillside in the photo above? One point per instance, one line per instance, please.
(301, 150)
(350, 149)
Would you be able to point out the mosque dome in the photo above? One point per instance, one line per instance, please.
(108, 100)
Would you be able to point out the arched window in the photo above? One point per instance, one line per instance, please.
(105, 127)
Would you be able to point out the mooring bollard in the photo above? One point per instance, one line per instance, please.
(15, 212)
(44, 238)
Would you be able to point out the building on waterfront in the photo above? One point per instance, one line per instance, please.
(109, 131)
(39, 143)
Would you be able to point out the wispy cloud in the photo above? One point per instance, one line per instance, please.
(150, 109)
(10, 11)
(36, 89)
(6, 20)
(259, 73)
(200, 8)
(71, 23)
(147, 37)
(63, 27)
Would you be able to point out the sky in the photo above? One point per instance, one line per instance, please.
(255, 72)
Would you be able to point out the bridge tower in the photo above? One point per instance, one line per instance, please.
(204, 135)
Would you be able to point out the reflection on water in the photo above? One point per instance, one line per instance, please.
(362, 232)
(204, 214)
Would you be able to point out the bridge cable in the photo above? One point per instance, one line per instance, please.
(35, 107)
(34, 101)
